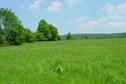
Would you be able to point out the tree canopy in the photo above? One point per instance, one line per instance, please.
(12, 32)
(47, 31)
(12, 27)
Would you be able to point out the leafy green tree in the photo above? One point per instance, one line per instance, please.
(13, 29)
(48, 31)
(15, 36)
(44, 28)
(40, 36)
(54, 32)
(69, 36)
(29, 36)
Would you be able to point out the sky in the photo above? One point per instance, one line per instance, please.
(75, 16)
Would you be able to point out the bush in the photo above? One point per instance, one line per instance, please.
(29, 36)
(2, 37)
(86, 37)
(14, 36)
(40, 36)
(69, 36)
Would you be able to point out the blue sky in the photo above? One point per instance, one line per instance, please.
(75, 16)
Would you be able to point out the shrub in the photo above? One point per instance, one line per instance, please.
(29, 36)
(69, 36)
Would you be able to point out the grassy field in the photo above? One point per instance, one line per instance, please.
(83, 62)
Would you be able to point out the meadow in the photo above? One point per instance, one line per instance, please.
(92, 61)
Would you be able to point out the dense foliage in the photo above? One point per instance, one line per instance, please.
(47, 32)
(12, 31)
(2, 39)
(29, 36)
(11, 28)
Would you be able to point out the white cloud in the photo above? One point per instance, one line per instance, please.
(80, 19)
(104, 18)
(104, 22)
(109, 8)
(72, 3)
(121, 8)
(115, 9)
(54, 6)
(35, 6)
(114, 19)
(88, 25)
(116, 25)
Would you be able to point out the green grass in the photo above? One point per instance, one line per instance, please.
(83, 62)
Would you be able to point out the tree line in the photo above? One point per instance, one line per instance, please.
(12, 31)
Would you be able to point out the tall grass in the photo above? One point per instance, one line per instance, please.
(65, 62)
